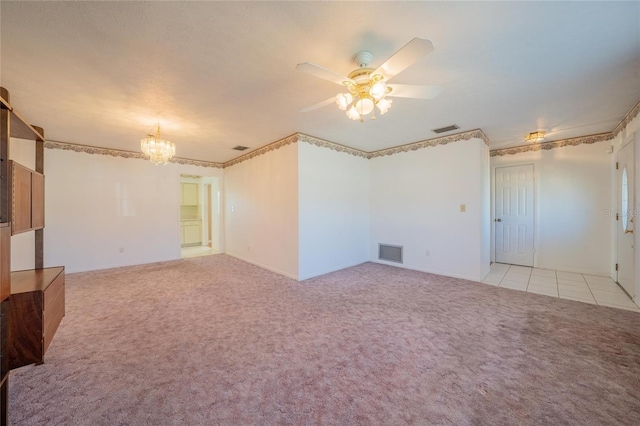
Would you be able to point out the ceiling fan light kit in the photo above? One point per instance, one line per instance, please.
(368, 88)
(535, 137)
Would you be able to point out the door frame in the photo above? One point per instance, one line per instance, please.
(629, 139)
(535, 206)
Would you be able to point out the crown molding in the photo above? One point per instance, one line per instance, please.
(443, 140)
(123, 154)
(553, 144)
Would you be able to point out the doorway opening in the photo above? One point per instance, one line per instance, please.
(200, 233)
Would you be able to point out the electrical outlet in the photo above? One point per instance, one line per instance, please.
(121, 250)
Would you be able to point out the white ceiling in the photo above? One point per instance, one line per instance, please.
(220, 74)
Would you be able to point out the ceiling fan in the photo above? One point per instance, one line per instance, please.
(368, 88)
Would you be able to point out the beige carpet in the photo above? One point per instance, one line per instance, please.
(213, 340)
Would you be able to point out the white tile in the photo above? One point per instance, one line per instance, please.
(609, 287)
(575, 292)
(547, 281)
(490, 283)
(520, 269)
(515, 285)
(492, 279)
(612, 298)
(499, 267)
(626, 307)
(543, 272)
(594, 279)
(576, 284)
(548, 291)
(577, 299)
(569, 276)
(521, 278)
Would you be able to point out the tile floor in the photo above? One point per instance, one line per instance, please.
(566, 285)
(196, 251)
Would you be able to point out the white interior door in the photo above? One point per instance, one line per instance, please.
(514, 215)
(625, 218)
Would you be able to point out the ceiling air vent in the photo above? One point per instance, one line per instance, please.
(446, 129)
(240, 147)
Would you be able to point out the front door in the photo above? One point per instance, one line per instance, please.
(514, 215)
(626, 217)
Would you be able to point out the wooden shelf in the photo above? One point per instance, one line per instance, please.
(36, 307)
(20, 128)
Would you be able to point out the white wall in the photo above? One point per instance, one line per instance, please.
(415, 203)
(103, 212)
(333, 191)
(261, 210)
(572, 195)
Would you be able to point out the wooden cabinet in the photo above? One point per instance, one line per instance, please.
(35, 309)
(27, 193)
(5, 261)
(189, 194)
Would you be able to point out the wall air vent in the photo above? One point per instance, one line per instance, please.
(446, 129)
(390, 253)
(240, 147)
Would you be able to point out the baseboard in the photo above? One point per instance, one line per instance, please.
(307, 277)
(431, 271)
(268, 268)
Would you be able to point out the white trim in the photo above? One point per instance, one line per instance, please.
(268, 268)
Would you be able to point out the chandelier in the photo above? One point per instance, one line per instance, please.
(157, 150)
(367, 93)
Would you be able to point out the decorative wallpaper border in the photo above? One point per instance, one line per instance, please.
(271, 147)
(123, 154)
(301, 137)
(331, 145)
(553, 144)
(626, 120)
(443, 140)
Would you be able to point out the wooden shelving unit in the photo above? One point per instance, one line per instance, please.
(30, 312)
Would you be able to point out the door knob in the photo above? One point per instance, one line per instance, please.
(498, 220)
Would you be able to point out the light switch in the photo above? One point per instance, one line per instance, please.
(463, 208)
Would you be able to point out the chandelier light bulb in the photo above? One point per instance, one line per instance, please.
(364, 105)
(343, 100)
(378, 90)
(384, 105)
(352, 113)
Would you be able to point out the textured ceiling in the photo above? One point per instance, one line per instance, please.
(219, 74)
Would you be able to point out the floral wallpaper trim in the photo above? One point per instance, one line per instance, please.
(443, 140)
(271, 147)
(553, 144)
(331, 145)
(123, 154)
(627, 119)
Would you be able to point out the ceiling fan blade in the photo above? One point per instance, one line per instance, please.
(405, 57)
(319, 104)
(412, 91)
(322, 72)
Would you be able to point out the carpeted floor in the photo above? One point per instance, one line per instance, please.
(214, 340)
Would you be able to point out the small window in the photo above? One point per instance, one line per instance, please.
(624, 197)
